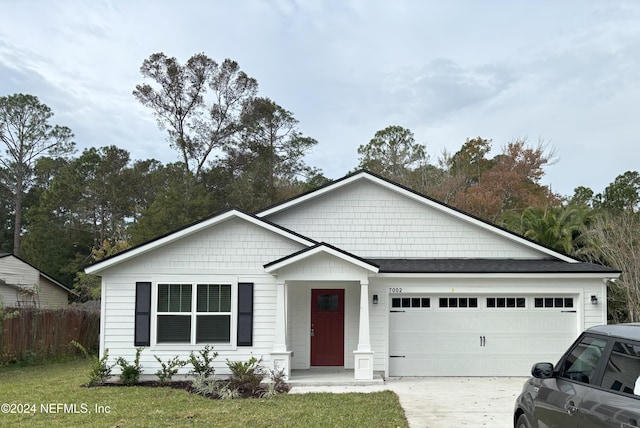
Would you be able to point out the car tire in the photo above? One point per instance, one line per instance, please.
(523, 422)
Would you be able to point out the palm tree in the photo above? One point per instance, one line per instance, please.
(557, 227)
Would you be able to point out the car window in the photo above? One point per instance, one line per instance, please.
(582, 363)
(623, 369)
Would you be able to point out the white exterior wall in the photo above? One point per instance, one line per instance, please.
(7, 296)
(233, 247)
(299, 320)
(228, 253)
(581, 289)
(371, 221)
(364, 218)
(319, 272)
(379, 322)
(15, 271)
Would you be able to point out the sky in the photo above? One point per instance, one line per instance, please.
(564, 73)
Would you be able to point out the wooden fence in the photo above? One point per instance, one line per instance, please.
(40, 334)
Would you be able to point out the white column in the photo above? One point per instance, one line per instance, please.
(363, 364)
(280, 356)
(364, 340)
(280, 344)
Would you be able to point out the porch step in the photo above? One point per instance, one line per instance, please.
(330, 377)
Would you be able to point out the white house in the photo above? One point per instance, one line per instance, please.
(22, 285)
(363, 274)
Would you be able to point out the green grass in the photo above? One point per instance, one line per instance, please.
(60, 383)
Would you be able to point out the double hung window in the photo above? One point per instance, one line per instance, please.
(194, 313)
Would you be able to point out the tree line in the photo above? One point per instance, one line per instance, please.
(61, 209)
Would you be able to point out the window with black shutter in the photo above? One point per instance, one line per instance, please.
(142, 323)
(245, 314)
(194, 313)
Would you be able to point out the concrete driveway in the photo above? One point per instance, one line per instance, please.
(443, 402)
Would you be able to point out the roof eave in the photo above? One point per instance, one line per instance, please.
(507, 275)
(276, 265)
(195, 228)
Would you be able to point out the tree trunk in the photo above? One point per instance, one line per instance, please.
(17, 224)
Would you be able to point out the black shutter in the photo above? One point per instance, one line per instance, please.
(245, 314)
(143, 314)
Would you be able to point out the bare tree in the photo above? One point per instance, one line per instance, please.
(614, 240)
(199, 103)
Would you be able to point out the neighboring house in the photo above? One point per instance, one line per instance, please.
(363, 274)
(22, 285)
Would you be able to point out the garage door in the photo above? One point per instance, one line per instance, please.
(432, 335)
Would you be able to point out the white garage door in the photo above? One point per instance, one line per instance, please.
(431, 335)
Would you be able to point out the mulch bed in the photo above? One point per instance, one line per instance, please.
(185, 385)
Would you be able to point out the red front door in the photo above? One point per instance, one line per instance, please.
(327, 327)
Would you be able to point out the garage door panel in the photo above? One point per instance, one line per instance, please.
(446, 364)
(477, 341)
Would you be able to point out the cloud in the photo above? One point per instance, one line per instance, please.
(565, 72)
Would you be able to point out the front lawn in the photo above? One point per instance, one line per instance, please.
(52, 395)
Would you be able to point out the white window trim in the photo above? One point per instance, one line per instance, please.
(194, 281)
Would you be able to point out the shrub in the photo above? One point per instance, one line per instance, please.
(130, 372)
(169, 368)
(278, 381)
(29, 359)
(100, 371)
(8, 356)
(270, 391)
(227, 392)
(246, 376)
(213, 388)
(204, 385)
(202, 363)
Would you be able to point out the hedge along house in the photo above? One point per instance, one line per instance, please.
(363, 274)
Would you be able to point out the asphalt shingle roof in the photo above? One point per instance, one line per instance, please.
(487, 266)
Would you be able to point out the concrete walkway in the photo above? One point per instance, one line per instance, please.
(443, 402)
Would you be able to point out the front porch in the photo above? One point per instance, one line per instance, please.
(331, 376)
(322, 315)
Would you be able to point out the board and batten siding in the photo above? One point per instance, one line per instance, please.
(372, 221)
(234, 251)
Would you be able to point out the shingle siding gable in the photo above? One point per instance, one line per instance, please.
(233, 246)
(371, 221)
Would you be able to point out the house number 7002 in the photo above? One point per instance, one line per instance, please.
(395, 289)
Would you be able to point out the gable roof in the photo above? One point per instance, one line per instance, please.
(42, 274)
(419, 197)
(321, 248)
(192, 229)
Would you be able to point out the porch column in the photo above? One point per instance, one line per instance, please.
(280, 356)
(363, 367)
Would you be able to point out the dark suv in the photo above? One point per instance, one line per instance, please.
(595, 384)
